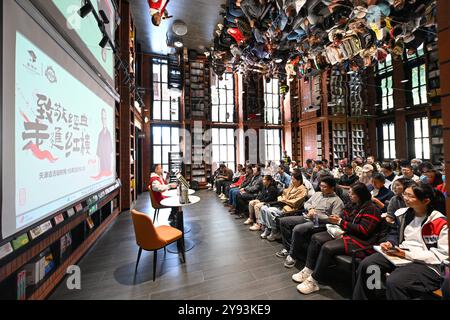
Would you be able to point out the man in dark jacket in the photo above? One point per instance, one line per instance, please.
(249, 193)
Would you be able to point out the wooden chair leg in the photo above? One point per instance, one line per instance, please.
(137, 262)
(155, 261)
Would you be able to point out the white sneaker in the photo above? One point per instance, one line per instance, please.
(274, 236)
(248, 221)
(301, 276)
(308, 286)
(255, 227)
(265, 233)
(289, 262)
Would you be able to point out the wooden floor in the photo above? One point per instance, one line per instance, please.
(228, 262)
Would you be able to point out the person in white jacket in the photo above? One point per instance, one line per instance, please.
(420, 236)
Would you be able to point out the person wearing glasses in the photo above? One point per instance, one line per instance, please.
(420, 235)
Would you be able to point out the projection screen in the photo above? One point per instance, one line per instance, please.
(58, 124)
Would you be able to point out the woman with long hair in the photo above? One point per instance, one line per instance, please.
(420, 236)
(358, 229)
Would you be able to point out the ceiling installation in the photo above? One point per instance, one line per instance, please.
(300, 38)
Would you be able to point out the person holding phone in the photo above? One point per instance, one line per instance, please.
(360, 226)
(420, 235)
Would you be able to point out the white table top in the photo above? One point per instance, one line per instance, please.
(174, 202)
(173, 193)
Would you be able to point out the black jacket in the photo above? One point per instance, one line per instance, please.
(268, 194)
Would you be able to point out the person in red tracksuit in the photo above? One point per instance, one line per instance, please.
(158, 11)
(158, 184)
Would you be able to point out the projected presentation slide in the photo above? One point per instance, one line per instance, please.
(87, 28)
(65, 136)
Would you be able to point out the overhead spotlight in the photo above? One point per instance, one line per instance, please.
(86, 9)
(104, 41)
(104, 16)
(279, 60)
(405, 81)
(178, 44)
(351, 72)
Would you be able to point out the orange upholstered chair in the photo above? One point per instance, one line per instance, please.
(151, 238)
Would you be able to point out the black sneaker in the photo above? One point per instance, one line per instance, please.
(239, 216)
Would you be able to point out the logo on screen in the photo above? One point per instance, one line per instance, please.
(51, 75)
(31, 64)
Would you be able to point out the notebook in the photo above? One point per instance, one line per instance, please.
(397, 261)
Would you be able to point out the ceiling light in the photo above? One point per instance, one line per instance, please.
(104, 16)
(86, 9)
(405, 81)
(351, 72)
(279, 60)
(178, 44)
(179, 28)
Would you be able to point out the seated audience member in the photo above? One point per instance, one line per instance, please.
(308, 170)
(236, 190)
(339, 171)
(366, 175)
(357, 168)
(421, 236)
(283, 177)
(407, 172)
(158, 183)
(380, 194)
(397, 201)
(297, 229)
(291, 200)
(376, 166)
(349, 178)
(309, 188)
(292, 167)
(223, 179)
(416, 165)
(249, 193)
(432, 177)
(357, 229)
(236, 184)
(318, 171)
(268, 193)
(388, 171)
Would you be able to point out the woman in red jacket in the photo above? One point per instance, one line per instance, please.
(359, 228)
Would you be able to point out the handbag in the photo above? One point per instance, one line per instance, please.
(335, 231)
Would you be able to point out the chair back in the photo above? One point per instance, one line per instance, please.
(146, 235)
(154, 202)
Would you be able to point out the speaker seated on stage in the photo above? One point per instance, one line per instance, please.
(159, 184)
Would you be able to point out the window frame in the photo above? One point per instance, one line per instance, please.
(267, 145)
(227, 144)
(174, 104)
(219, 91)
(272, 90)
(160, 144)
(424, 139)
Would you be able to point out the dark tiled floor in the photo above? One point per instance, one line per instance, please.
(228, 262)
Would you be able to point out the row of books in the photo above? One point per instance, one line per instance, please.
(23, 239)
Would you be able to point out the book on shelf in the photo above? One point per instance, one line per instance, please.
(90, 223)
(64, 244)
(58, 219)
(78, 207)
(20, 241)
(21, 285)
(70, 212)
(5, 250)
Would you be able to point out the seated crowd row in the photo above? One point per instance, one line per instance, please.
(324, 213)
